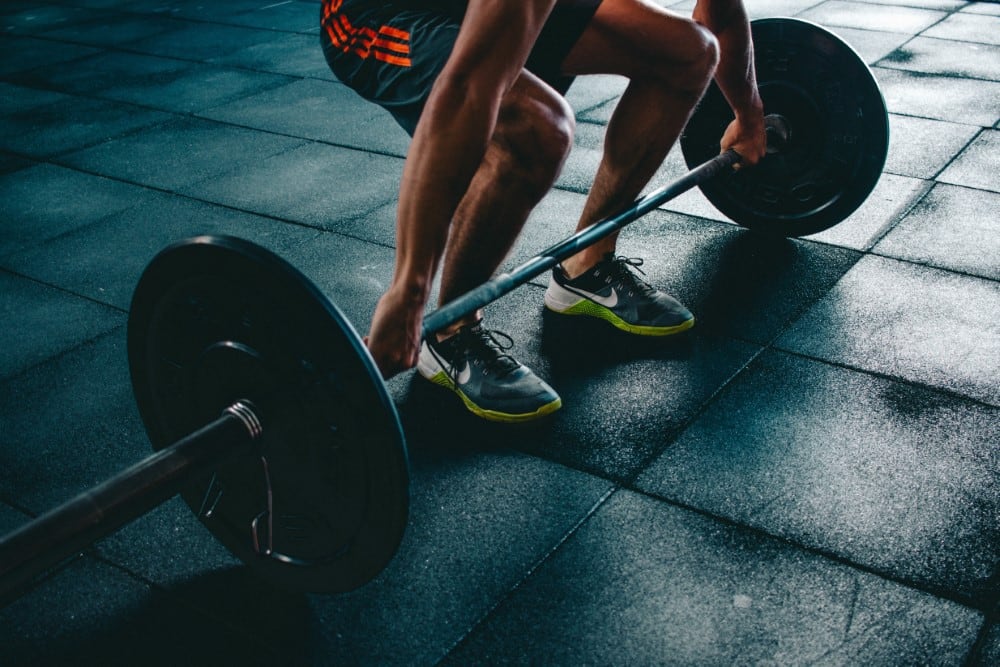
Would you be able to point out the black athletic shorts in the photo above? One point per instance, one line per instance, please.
(391, 52)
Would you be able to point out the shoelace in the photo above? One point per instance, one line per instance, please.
(623, 278)
(486, 348)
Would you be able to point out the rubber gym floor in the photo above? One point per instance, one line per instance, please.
(810, 476)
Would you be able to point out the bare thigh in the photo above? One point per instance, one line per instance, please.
(637, 39)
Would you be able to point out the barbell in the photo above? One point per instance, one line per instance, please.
(268, 415)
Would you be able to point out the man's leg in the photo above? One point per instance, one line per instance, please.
(533, 137)
(669, 61)
(534, 134)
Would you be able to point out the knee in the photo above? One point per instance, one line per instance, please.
(702, 57)
(707, 50)
(537, 135)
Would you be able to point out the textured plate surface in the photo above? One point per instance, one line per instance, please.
(839, 133)
(321, 501)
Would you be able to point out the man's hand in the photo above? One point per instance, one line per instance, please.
(394, 339)
(747, 137)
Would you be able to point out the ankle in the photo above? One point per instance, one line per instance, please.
(452, 329)
(579, 264)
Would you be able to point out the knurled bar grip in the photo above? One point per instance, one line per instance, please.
(504, 283)
(98, 512)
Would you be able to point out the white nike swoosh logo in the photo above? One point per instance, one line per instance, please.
(464, 375)
(609, 301)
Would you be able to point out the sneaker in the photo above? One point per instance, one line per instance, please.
(475, 365)
(612, 292)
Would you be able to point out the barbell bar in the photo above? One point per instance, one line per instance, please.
(269, 416)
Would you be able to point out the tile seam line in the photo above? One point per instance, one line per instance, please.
(973, 657)
(54, 357)
(64, 290)
(883, 64)
(937, 75)
(128, 13)
(309, 140)
(951, 393)
(924, 264)
(927, 186)
(186, 115)
(544, 558)
(92, 552)
(629, 480)
(200, 200)
(918, 116)
(981, 602)
(954, 158)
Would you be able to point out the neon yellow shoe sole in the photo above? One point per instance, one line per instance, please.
(591, 309)
(443, 380)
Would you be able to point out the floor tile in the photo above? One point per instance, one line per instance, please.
(113, 30)
(591, 91)
(898, 479)
(11, 519)
(976, 167)
(885, 205)
(198, 10)
(353, 274)
(195, 88)
(940, 5)
(984, 7)
(921, 148)
(11, 163)
(96, 73)
(104, 261)
(947, 229)
(93, 614)
(290, 54)
(190, 41)
(868, 16)
(623, 401)
(319, 110)
(18, 99)
(442, 490)
(20, 54)
(946, 58)
(71, 124)
(291, 16)
(377, 226)
(871, 45)
(175, 154)
(35, 19)
(737, 283)
(769, 8)
(664, 586)
(70, 423)
(969, 28)
(314, 184)
(941, 97)
(478, 524)
(171, 548)
(71, 200)
(908, 321)
(990, 652)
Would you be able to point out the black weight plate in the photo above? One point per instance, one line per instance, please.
(320, 501)
(839, 133)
